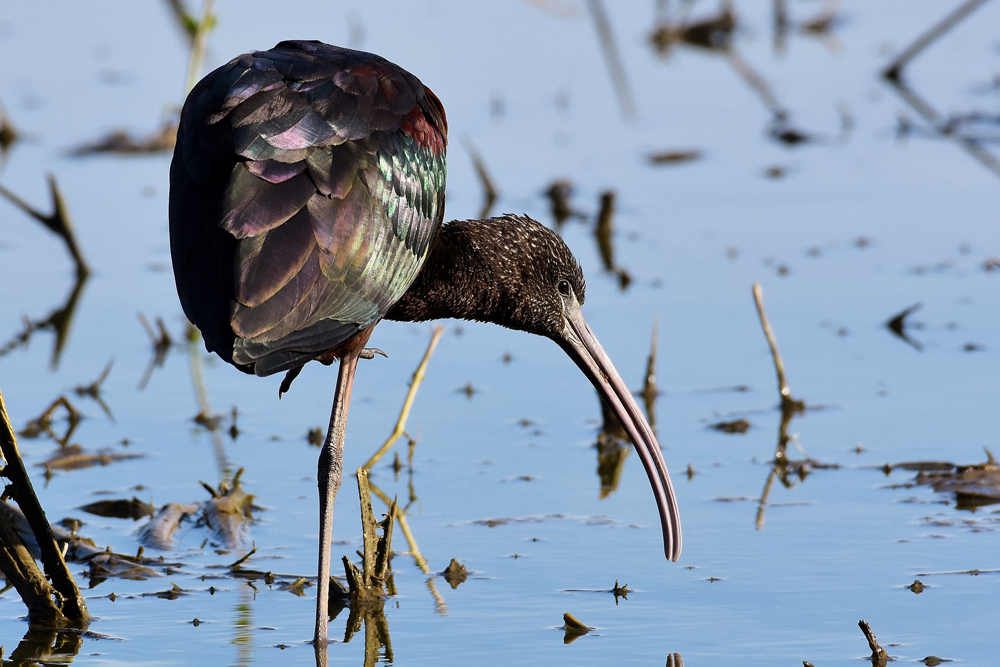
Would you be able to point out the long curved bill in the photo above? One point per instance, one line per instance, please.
(582, 346)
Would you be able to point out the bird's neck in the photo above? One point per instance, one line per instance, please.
(458, 280)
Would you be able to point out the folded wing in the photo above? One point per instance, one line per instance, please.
(307, 185)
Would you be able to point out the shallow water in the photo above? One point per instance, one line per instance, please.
(527, 84)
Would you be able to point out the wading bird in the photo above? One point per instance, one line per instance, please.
(306, 205)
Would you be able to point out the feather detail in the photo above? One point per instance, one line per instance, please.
(306, 190)
(253, 205)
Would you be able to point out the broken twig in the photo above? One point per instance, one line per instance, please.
(418, 377)
(58, 222)
(895, 69)
(787, 402)
(879, 656)
(73, 606)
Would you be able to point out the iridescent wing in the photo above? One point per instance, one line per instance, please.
(306, 188)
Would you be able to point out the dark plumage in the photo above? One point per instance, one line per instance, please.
(519, 294)
(306, 202)
(306, 188)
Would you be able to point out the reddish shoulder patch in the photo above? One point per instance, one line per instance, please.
(415, 124)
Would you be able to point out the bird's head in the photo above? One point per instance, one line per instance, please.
(532, 282)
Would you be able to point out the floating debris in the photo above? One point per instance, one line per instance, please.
(620, 592)
(133, 509)
(574, 628)
(675, 156)
(229, 512)
(737, 426)
(159, 532)
(455, 573)
(210, 422)
(74, 457)
(298, 586)
(105, 565)
(121, 142)
(973, 485)
(714, 33)
(171, 593)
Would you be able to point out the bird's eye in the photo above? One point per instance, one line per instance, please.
(563, 287)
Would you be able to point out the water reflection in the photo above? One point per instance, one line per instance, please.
(490, 193)
(613, 444)
(955, 126)
(59, 321)
(46, 647)
(58, 222)
(559, 193)
(603, 234)
(820, 26)
(787, 471)
(609, 47)
(9, 135)
(377, 640)
(161, 342)
(897, 325)
(715, 34)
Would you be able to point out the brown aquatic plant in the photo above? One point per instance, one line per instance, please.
(573, 628)
(455, 573)
(229, 511)
(59, 603)
(879, 657)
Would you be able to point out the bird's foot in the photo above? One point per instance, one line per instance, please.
(370, 352)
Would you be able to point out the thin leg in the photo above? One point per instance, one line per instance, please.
(329, 474)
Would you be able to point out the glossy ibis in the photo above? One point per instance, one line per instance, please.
(306, 205)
